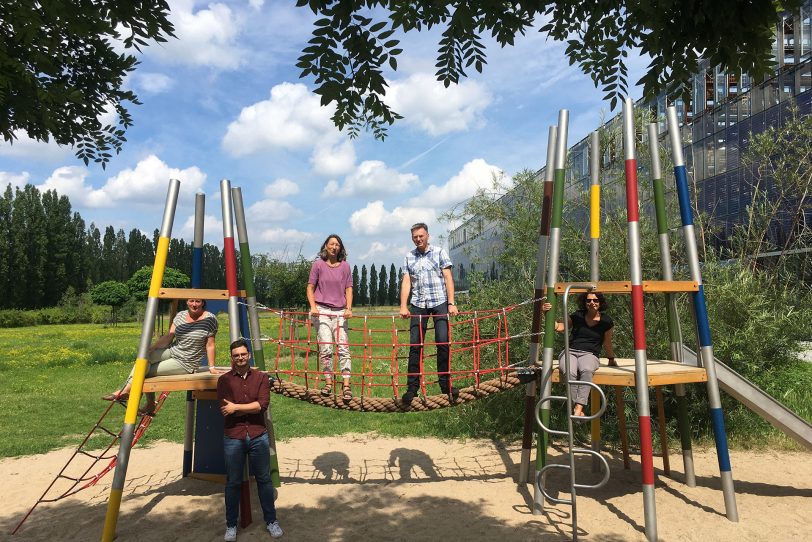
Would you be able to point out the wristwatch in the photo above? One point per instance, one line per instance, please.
(451, 304)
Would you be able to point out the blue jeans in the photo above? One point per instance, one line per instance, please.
(258, 450)
(417, 335)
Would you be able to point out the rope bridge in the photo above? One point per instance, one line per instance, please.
(479, 359)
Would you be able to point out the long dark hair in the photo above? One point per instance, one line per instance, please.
(602, 303)
(342, 252)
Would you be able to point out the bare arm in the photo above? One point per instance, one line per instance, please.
(311, 299)
(607, 344)
(448, 278)
(210, 353)
(348, 297)
(164, 340)
(405, 288)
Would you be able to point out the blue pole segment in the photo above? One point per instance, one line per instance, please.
(684, 197)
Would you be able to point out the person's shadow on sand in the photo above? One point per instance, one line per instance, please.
(337, 463)
(407, 459)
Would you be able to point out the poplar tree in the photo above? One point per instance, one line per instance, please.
(355, 290)
(382, 287)
(373, 285)
(363, 297)
(392, 294)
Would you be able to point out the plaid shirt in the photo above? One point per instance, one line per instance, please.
(426, 275)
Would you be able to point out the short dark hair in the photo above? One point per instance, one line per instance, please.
(342, 252)
(237, 344)
(602, 303)
(419, 225)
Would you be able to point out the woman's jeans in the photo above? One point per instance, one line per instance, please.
(258, 450)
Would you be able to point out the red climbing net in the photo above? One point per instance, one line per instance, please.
(379, 346)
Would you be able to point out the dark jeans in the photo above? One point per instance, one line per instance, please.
(258, 450)
(417, 335)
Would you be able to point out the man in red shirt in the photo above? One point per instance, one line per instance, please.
(243, 394)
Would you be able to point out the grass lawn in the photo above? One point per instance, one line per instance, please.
(54, 376)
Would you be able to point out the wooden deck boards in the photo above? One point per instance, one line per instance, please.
(660, 373)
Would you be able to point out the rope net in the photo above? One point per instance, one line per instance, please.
(378, 347)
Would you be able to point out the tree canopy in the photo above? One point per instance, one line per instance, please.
(60, 70)
(354, 41)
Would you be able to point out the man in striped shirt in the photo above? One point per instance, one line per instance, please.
(429, 279)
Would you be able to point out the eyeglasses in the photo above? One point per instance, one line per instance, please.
(594, 300)
(241, 356)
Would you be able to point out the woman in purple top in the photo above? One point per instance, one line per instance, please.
(329, 292)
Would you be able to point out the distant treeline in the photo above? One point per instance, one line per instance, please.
(47, 250)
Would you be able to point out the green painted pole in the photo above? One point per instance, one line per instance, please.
(674, 331)
(552, 276)
(253, 318)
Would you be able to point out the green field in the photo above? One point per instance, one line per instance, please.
(54, 376)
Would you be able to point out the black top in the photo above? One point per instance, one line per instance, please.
(589, 338)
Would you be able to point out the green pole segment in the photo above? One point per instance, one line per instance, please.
(141, 365)
(535, 339)
(253, 317)
(674, 331)
(552, 276)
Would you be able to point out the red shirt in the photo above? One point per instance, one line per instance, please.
(253, 387)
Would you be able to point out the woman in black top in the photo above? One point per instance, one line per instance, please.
(591, 330)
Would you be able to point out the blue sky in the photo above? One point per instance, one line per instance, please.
(225, 101)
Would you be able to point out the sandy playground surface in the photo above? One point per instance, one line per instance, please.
(364, 487)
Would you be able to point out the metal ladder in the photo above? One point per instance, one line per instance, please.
(572, 450)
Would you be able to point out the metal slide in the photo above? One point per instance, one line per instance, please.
(756, 400)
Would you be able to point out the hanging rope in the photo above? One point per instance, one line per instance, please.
(479, 358)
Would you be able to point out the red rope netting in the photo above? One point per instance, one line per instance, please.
(378, 347)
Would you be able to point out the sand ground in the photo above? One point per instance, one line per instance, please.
(366, 487)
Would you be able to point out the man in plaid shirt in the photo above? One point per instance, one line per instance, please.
(428, 277)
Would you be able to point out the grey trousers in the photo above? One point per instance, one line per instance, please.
(582, 366)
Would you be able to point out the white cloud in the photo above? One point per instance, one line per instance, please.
(26, 147)
(281, 237)
(385, 249)
(428, 105)
(14, 179)
(206, 37)
(271, 210)
(70, 181)
(372, 178)
(332, 160)
(474, 175)
(281, 188)
(147, 182)
(374, 219)
(256, 4)
(153, 83)
(291, 119)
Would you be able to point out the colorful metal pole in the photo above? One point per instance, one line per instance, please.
(638, 321)
(701, 313)
(594, 268)
(674, 331)
(141, 364)
(560, 162)
(253, 318)
(233, 316)
(541, 265)
(197, 282)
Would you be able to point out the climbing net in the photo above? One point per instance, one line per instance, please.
(304, 363)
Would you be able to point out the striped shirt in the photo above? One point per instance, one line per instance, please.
(426, 276)
(190, 339)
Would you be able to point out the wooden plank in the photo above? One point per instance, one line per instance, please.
(209, 477)
(195, 293)
(204, 395)
(660, 373)
(197, 381)
(669, 286)
(604, 286)
(625, 286)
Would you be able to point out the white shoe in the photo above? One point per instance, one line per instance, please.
(275, 530)
(231, 534)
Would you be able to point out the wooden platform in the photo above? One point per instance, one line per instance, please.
(660, 373)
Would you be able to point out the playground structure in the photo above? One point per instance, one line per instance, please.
(480, 341)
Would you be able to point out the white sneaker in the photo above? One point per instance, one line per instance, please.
(231, 534)
(275, 530)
